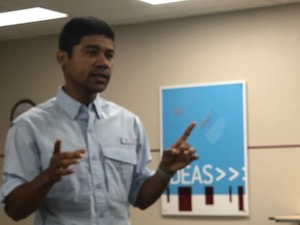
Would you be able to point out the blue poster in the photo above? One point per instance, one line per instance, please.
(216, 183)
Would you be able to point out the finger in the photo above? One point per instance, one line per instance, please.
(184, 146)
(192, 154)
(64, 171)
(185, 135)
(81, 151)
(172, 151)
(65, 163)
(57, 147)
(190, 151)
(187, 132)
(73, 155)
(194, 157)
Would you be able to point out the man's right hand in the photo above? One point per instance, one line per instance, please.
(61, 161)
(26, 198)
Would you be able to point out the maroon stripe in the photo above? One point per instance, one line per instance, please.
(168, 194)
(185, 198)
(209, 195)
(241, 199)
(230, 194)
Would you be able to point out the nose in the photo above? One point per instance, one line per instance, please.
(101, 60)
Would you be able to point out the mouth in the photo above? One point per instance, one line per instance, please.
(100, 77)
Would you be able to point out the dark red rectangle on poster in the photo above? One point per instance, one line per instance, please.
(209, 195)
(168, 194)
(241, 198)
(185, 198)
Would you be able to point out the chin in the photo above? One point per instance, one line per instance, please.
(96, 87)
(99, 89)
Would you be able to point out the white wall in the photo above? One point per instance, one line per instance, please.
(259, 46)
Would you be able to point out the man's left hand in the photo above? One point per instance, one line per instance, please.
(179, 155)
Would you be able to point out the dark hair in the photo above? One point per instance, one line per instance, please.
(77, 28)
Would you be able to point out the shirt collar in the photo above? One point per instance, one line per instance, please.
(72, 106)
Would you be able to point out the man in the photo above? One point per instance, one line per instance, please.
(98, 165)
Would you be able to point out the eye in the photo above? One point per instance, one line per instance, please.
(92, 52)
(109, 55)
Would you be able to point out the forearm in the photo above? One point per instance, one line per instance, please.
(25, 199)
(177, 157)
(152, 189)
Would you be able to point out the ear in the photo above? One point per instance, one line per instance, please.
(62, 57)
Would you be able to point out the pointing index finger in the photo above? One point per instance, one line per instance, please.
(187, 132)
(57, 147)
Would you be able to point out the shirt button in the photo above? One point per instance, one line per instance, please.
(94, 158)
(98, 186)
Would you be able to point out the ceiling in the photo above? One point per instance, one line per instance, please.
(117, 12)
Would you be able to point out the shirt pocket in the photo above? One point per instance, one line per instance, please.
(119, 165)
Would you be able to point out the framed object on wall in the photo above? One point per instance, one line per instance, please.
(20, 107)
(217, 183)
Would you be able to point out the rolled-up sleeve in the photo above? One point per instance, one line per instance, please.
(21, 163)
(142, 172)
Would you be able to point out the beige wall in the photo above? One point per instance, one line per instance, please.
(261, 47)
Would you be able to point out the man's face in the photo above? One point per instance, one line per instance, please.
(89, 68)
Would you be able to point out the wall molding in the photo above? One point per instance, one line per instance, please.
(258, 147)
(249, 147)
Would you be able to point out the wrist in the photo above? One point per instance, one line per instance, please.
(46, 178)
(166, 174)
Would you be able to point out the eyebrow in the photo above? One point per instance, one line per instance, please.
(98, 48)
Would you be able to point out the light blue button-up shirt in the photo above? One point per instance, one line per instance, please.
(107, 179)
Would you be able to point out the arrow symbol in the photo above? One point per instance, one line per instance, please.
(222, 174)
(234, 175)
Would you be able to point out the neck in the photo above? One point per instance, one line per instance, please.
(82, 97)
